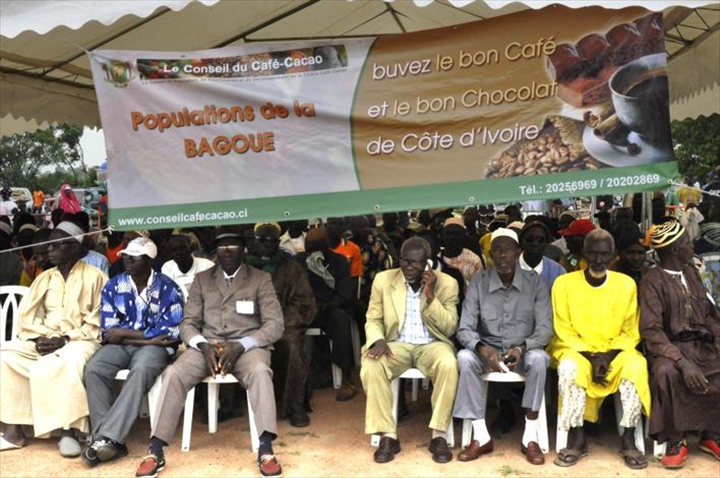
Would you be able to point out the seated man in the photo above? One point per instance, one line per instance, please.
(680, 325)
(329, 276)
(534, 239)
(454, 254)
(59, 331)
(631, 252)
(140, 314)
(232, 318)
(411, 317)
(183, 266)
(596, 332)
(506, 318)
(574, 236)
(289, 359)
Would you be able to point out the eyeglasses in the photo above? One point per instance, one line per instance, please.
(231, 248)
(266, 239)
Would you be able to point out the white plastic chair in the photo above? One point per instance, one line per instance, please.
(561, 437)
(511, 377)
(213, 385)
(336, 371)
(415, 375)
(10, 298)
(148, 407)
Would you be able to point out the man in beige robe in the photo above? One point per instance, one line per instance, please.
(41, 370)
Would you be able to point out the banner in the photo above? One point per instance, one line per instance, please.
(539, 104)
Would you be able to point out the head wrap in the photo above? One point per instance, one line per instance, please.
(662, 235)
(71, 228)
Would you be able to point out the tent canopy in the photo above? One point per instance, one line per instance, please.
(45, 75)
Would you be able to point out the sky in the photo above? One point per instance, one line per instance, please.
(92, 143)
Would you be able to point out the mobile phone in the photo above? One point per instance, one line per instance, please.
(429, 265)
(508, 359)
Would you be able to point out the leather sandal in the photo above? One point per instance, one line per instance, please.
(569, 457)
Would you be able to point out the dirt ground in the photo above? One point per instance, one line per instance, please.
(334, 445)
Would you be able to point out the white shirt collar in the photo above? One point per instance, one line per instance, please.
(526, 267)
(233, 275)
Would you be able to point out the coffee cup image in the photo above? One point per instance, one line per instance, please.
(640, 96)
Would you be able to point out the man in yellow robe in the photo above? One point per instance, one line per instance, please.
(596, 323)
(59, 331)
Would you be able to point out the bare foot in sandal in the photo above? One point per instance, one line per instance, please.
(576, 450)
(628, 451)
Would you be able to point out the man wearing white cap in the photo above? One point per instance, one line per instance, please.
(59, 331)
(140, 315)
(506, 322)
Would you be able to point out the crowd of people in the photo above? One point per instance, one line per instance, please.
(603, 308)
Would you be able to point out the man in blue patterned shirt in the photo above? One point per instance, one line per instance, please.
(140, 314)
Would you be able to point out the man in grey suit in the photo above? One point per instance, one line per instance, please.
(506, 323)
(232, 317)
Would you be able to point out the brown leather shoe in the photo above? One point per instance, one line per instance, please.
(345, 392)
(387, 450)
(533, 453)
(440, 451)
(474, 450)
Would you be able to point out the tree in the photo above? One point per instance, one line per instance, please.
(26, 158)
(697, 145)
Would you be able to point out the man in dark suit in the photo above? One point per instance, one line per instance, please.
(232, 317)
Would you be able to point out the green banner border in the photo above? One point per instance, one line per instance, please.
(607, 181)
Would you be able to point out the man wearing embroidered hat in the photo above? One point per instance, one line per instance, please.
(140, 314)
(506, 322)
(574, 236)
(59, 331)
(680, 325)
(232, 318)
(452, 252)
(290, 361)
(595, 316)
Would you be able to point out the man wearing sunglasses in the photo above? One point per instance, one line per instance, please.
(290, 361)
(232, 318)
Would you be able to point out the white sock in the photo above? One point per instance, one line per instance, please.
(439, 433)
(530, 433)
(391, 435)
(480, 432)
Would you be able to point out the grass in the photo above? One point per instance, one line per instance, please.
(303, 434)
(507, 470)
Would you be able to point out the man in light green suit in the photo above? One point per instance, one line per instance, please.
(411, 318)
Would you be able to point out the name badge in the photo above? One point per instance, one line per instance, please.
(246, 307)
